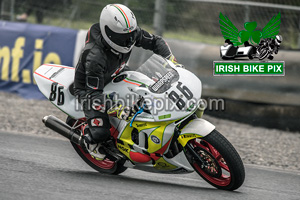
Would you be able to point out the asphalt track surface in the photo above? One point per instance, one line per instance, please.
(40, 168)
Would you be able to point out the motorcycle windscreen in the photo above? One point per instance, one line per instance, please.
(158, 70)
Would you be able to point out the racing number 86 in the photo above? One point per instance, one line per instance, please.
(176, 98)
(60, 94)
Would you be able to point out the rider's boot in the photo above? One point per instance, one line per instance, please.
(100, 151)
(91, 147)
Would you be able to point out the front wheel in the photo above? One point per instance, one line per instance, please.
(263, 54)
(223, 167)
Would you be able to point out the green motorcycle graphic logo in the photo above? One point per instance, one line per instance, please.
(230, 32)
(257, 44)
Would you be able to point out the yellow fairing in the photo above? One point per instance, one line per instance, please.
(183, 139)
(152, 129)
(126, 135)
(125, 150)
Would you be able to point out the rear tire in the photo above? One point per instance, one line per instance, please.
(103, 166)
(225, 169)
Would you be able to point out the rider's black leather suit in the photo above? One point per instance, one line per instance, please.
(97, 63)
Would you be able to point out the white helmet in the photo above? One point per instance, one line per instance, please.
(278, 39)
(118, 27)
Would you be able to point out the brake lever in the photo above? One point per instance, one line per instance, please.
(141, 109)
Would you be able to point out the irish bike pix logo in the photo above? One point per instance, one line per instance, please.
(249, 52)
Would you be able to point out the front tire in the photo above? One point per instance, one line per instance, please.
(263, 54)
(225, 169)
(103, 166)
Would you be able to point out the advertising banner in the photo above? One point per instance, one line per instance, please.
(24, 47)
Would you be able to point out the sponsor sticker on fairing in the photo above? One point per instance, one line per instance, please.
(168, 76)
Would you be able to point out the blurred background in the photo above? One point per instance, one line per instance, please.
(191, 20)
(191, 28)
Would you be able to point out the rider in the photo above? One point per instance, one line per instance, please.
(107, 48)
(277, 42)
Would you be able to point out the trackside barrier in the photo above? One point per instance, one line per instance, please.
(24, 47)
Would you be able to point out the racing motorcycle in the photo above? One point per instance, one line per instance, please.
(172, 138)
(267, 47)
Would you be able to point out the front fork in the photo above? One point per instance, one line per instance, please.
(190, 129)
(176, 148)
(196, 156)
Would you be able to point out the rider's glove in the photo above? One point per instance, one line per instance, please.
(125, 112)
(98, 106)
(174, 61)
(122, 112)
(103, 102)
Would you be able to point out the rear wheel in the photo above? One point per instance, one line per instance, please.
(224, 168)
(103, 166)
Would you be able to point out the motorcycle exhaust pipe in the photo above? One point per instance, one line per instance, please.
(62, 128)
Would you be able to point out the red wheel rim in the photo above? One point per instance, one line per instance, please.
(104, 164)
(225, 177)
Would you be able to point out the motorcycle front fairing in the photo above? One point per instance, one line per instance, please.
(170, 92)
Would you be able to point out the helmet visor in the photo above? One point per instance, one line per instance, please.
(121, 39)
